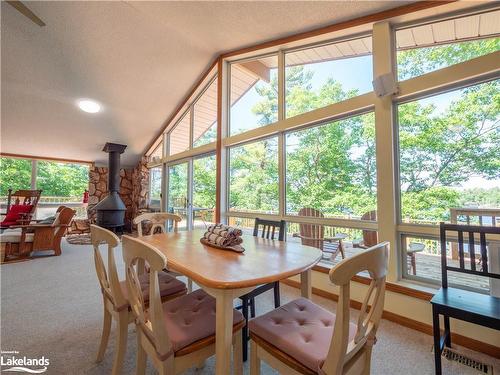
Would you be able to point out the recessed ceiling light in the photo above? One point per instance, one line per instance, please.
(89, 106)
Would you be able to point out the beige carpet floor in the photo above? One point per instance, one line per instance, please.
(52, 307)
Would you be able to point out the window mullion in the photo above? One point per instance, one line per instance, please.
(383, 63)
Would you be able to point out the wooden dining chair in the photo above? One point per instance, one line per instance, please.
(303, 338)
(457, 303)
(314, 235)
(115, 294)
(268, 229)
(178, 334)
(158, 221)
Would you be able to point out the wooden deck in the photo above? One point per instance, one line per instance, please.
(429, 266)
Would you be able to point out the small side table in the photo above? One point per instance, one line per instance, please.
(413, 248)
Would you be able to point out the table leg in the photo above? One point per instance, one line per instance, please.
(223, 332)
(306, 284)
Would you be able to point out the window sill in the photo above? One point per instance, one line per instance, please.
(414, 290)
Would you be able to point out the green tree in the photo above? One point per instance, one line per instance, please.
(15, 174)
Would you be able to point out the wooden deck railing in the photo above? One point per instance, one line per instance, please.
(473, 216)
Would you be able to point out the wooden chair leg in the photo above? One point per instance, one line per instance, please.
(106, 329)
(254, 359)
(252, 307)
(141, 356)
(237, 353)
(437, 341)
(413, 261)
(244, 333)
(277, 294)
(447, 331)
(121, 342)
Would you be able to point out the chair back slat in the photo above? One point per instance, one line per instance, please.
(342, 353)
(268, 229)
(484, 252)
(461, 255)
(152, 323)
(158, 220)
(312, 230)
(108, 277)
(472, 232)
(472, 251)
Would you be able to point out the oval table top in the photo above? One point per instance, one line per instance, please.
(263, 261)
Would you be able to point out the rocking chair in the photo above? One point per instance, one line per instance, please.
(21, 206)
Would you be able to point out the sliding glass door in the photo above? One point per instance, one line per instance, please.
(178, 199)
(191, 191)
(204, 176)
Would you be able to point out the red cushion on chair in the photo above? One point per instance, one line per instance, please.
(14, 213)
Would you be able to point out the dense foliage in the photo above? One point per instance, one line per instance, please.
(55, 179)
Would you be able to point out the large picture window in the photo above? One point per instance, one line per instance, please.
(60, 182)
(450, 153)
(253, 94)
(253, 177)
(322, 75)
(332, 168)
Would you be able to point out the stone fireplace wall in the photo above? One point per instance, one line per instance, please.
(134, 189)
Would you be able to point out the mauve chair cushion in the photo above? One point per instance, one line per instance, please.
(191, 317)
(301, 329)
(168, 285)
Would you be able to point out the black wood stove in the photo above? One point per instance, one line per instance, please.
(111, 210)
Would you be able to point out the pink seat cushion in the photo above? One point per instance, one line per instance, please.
(168, 285)
(301, 329)
(191, 318)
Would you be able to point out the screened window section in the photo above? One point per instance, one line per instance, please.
(253, 94)
(205, 116)
(61, 183)
(179, 136)
(325, 74)
(332, 169)
(425, 48)
(450, 153)
(253, 177)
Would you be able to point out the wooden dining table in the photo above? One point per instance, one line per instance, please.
(226, 275)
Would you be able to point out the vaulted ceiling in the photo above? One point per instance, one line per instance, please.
(138, 59)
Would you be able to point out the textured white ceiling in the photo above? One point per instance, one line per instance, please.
(138, 59)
